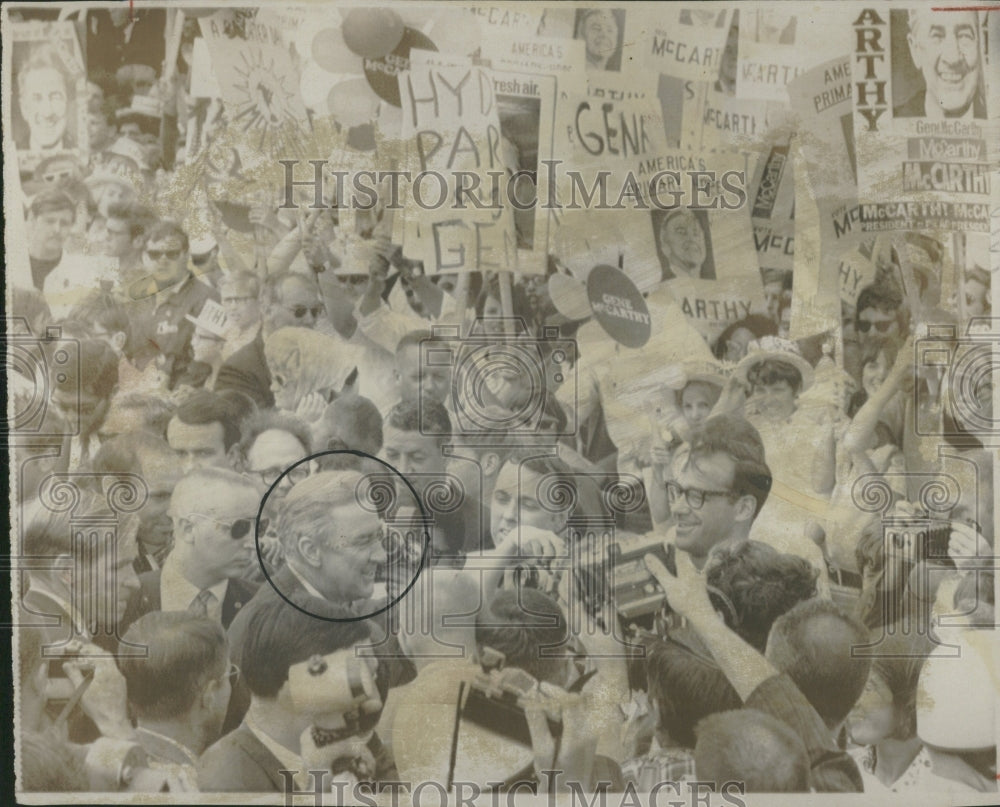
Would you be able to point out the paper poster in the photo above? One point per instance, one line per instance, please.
(451, 127)
(48, 93)
(925, 146)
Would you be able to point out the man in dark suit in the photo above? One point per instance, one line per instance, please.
(179, 690)
(269, 740)
(214, 512)
(288, 300)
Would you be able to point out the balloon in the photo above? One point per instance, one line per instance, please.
(316, 84)
(330, 52)
(383, 76)
(456, 32)
(352, 103)
(372, 32)
(362, 137)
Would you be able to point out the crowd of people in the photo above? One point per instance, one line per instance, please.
(360, 538)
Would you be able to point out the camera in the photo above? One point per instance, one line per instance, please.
(336, 684)
(967, 363)
(502, 381)
(32, 366)
(635, 592)
(494, 699)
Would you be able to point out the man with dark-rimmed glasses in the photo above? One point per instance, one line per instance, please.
(214, 511)
(719, 485)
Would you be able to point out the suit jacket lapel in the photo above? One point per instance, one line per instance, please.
(262, 757)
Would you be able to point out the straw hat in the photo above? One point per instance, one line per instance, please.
(774, 347)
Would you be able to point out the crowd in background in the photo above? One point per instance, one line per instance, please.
(257, 400)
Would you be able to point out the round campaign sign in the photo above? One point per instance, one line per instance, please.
(618, 306)
(382, 72)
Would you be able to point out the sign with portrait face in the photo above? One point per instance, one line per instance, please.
(48, 92)
(925, 143)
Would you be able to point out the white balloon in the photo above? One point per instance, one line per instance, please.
(316, 85)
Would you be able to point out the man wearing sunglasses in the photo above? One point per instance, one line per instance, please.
(215, 517)
(287, 300)
(164, 298)
(179, 691)
(879, 320)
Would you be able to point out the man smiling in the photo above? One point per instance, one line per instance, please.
(945, 49)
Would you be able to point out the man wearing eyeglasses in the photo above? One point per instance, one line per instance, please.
(165, 297)
(178, 692)
(719, 486)
(879, 320)
(287, 300)
(215, 517)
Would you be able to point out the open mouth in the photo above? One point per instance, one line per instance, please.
(952, 76)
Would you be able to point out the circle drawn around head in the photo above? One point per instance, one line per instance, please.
(419, 565)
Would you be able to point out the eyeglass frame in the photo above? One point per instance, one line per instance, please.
(673, 498)
(262, 522)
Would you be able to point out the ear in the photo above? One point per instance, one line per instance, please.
(490, 463)
(745, 507)
(293, 362)
(184, 530)
(309, 550)
(119, 340)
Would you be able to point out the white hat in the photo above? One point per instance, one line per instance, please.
(956, 694)
(212, 318)
(774, 347)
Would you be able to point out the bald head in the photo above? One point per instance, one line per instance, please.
(209, 490)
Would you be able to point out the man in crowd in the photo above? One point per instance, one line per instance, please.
(215, 517)
(270, 739)
(164, 298)
(240, 295)
(287, 300)
(150, 457)
(204, 430)
(50, 218)
(81, 393)
(178, 691)
(807, 678)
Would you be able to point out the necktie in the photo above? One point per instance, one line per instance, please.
(201, 604)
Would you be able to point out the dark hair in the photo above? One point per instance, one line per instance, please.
(96, 374)
(360, 419)
(812, 645)
(204, 407)
(123, 453)
(425, 416)
(51, 201)
(139, 218)
(761, 584)
(738, 439)
(527, 626)
(102, 309)
(152, 410)
(183, 652)
(687, 687)
(754, 748)
(757, 324)
(256, 424)
(167, 228)
(774, 371)
(885, 297)
(278, 636)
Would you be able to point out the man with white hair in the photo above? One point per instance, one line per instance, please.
(945, 48)
(214, 513)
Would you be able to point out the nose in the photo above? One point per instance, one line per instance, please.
(950, 51)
